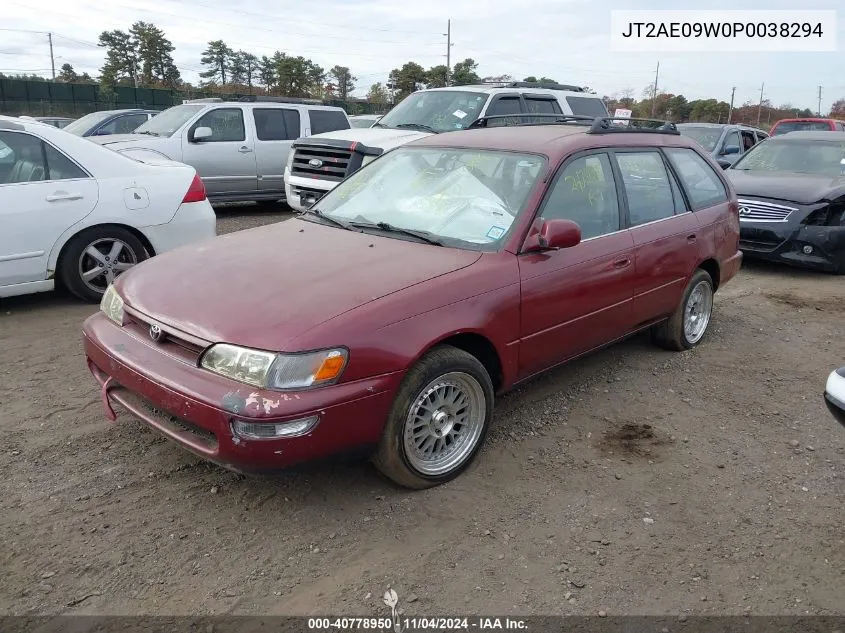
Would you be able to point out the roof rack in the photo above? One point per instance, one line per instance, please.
(204, 100)
(604, 125)
(265, 99)
(547, 85)
(549, 119)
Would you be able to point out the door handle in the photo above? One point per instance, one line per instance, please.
(245, 150)
(691, 238)
(56, 197)
(621, 263)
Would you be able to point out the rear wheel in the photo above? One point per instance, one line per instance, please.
(96, 257)
(686, 327)
(438, 421)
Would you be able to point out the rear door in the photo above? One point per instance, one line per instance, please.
(275, 130)
(42, 193)
(576, 299)
(665, 232)
(226, 160)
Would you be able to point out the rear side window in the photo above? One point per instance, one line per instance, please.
(542, 106)
(59, 166)
(647, 187)
(123, 124)
(327, 121)
(271, 124)
(702, 183)
(587, 106)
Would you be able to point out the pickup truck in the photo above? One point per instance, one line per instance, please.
(238, 148)
(317, 164)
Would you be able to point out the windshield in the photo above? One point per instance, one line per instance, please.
(801, 126)
(436, 111)
(80, 126)
(802, 156)
(468, 197)
(707, 137)
(166, 123)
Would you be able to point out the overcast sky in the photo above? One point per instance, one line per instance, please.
(567, 40)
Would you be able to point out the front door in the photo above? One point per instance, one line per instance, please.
(42, 193)
(226, 160)
(579, 298)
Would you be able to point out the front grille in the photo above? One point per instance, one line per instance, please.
(170, 342)
(324, 163)
(758, 211)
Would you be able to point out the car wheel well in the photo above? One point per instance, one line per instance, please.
(711, 267)
(143, 238)
(480, 347)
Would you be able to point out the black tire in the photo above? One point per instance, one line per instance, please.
(671, 334)
(391, 457)
(68, 269)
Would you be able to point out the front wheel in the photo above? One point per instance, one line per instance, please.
(438, 421)
(686, 327)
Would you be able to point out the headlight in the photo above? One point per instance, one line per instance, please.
(291, 152)
(368, 159)
(275, 371)
(112, 305)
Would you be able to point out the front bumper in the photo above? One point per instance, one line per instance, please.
(786, 243)
(301, 193)
(834, 394)
(195, 408)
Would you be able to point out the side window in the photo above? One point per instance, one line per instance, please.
(21, 158)
(227, 124)
(59, 166)
(747, 141)
(585, 193)
(647, 186)
(327, 121)
(761, 136)
(126, 124)
(270, 124)
(535, 105)
(587, 106)
(732, 139)
(292, 123)
(503, 106)
(702, 183)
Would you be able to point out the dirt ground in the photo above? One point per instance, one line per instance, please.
(636, 481)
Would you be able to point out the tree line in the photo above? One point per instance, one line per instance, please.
(142, 56)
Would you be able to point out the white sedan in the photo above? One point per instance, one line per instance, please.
(79, 213)
(834, 394)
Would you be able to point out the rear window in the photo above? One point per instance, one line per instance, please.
(801, 126)
(587, 106)
(327, 121)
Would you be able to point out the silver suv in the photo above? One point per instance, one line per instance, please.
(320, 162)
(238, 148)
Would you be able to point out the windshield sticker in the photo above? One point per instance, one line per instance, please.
(495, 232)
(459, 113)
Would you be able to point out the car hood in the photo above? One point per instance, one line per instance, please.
(263, 287)
(384, 138)
(122, 141)
(786, 185)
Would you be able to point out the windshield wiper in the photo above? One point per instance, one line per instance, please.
(425, 236)
(145, 132)
(417, 126)
(329, 219)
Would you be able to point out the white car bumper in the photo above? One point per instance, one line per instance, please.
(834, 394)
(300, 191)
(194, 221)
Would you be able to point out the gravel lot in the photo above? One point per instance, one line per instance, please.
(635, 481)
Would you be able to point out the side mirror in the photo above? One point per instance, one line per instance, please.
(201, 134)
(730, 149)
(555, 234)
(724, 164)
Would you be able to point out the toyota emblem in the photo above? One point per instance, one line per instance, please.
(315, 162)
(155, 333)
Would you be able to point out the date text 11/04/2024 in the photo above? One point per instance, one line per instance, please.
(722, 29)
(412, 624)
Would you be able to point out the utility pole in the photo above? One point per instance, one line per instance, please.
(52, 59)
(731, 109)
(654, 92)
(448, 35)
(819, 111)
(760, 105)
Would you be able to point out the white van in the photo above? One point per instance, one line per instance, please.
(316, 164)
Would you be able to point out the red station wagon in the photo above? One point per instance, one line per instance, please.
(444, 272)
